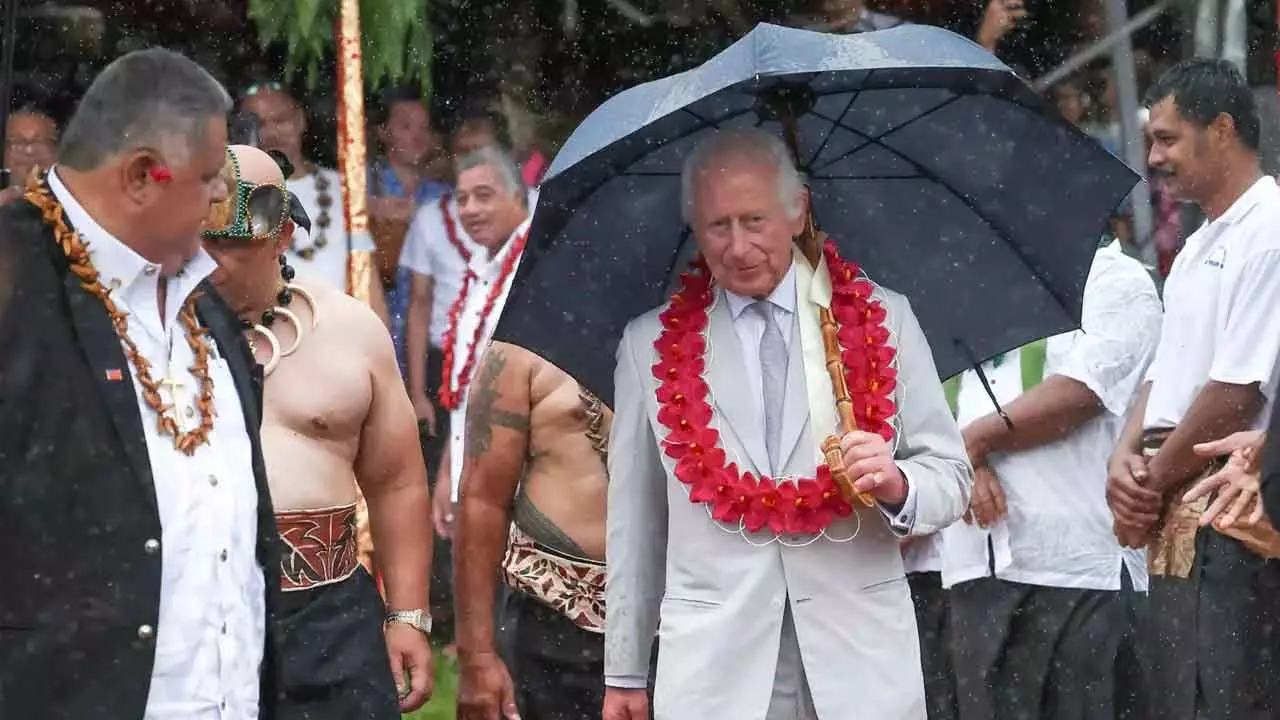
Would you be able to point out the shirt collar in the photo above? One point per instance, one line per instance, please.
(119, 265)
(783, 296)
(481, 265)
(1240, 209)
(121, 268)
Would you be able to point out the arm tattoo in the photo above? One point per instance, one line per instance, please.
(482, 416)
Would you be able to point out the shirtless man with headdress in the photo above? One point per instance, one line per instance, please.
(335, 415)
(533, 511)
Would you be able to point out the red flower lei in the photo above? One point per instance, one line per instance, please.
(451, 229)
(804, 505)
(451, 397)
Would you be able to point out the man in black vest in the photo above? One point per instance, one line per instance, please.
(134, 515)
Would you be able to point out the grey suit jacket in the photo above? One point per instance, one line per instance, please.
(719, 596)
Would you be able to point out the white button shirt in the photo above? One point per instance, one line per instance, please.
(1222, 309)
(1058, 532)
(487, 272)
(428, 252)
(750, 328)
(330, 262)
(210, 634)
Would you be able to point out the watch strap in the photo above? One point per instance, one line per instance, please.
(419, 619)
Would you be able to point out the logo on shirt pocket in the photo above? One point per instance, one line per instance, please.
(1217, 258)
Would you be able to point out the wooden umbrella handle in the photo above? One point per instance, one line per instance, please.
(810, 242)
(844, 406)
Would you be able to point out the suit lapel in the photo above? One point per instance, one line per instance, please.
(726, 372)
(225, 330)
(795, 404)
(100, 346)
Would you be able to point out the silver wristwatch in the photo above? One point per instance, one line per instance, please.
(420, 619)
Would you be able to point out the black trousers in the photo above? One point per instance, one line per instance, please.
(933, 622)
(1214, 638)
(1046, 653)
(556, 666)
(433, 447)
(442, 550)
(333, 655)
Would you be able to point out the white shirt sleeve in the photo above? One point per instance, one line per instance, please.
(338, 210)
(902, 523)
(1121, 328)
(1248, 337)
(416, 252)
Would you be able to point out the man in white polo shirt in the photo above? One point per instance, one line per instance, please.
(1215, 605)
(1042, 597)
(493, 209)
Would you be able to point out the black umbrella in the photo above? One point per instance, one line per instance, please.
(930, 163)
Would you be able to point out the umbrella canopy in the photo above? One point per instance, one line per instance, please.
(929, 162)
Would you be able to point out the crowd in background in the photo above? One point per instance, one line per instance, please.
(419, 246)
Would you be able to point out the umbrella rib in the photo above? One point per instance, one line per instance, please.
(834, 124)
(620, 167)
(699, 118)
(870, 140)
(874, 177)
(675, 257)
(999, 231)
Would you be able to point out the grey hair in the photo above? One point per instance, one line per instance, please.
(143, 99)
(500, 161)
(752, 144)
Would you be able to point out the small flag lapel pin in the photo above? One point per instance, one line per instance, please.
(114, 375)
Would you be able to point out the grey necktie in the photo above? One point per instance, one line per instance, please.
(773, 372)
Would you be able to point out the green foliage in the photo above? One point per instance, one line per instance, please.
(445, 698)
(395, 37)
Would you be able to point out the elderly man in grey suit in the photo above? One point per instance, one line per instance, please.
(775, 599)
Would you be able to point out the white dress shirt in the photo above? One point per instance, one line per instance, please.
(750, 328)
(211, 630)
(329, 263)
(1221, 298)
(428, 252)
(487, 273)
(1058, 532)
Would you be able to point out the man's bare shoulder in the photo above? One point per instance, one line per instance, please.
(346, 319)
(514, 358)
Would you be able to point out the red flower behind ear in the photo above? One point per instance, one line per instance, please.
(161, 174)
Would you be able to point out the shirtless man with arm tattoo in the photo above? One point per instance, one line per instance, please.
(532, 511)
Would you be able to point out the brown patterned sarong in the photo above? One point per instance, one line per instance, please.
(573, 587)
(1171, 551)
(320, 546)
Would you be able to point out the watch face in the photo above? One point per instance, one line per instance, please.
(417, 618)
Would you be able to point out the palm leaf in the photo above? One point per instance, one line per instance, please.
(396, 37)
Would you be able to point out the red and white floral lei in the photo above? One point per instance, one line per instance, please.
(797, 506)
(450, 396)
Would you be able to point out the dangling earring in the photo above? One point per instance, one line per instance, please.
(286, 270)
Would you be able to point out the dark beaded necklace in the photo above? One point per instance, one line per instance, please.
(283, 298)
